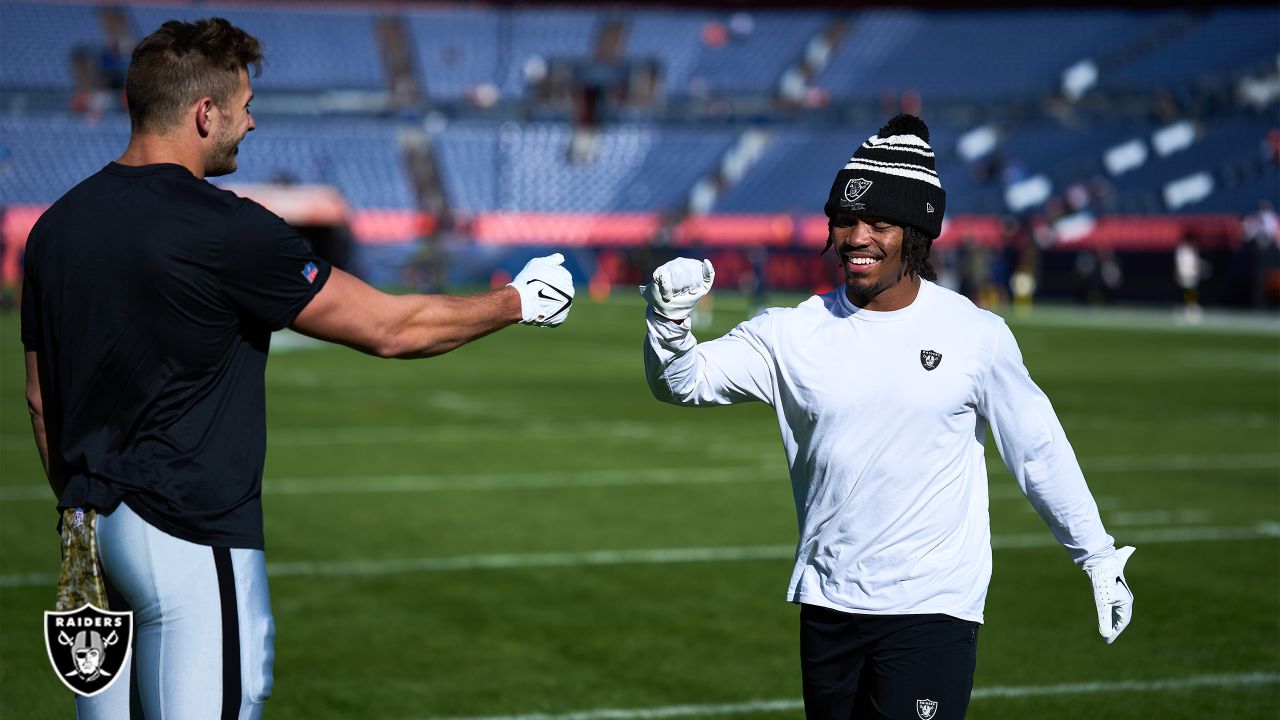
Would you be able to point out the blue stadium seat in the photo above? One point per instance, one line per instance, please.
(306, 49)
(43, 157)
(793, 175)
(972, 55)
(637, 168)
(455, 49)
(672, 37)
(361, 158)
(1234, 142)
(1218, 44)
(751, 62)
(754, 62)
(36, 42)
(544, 34)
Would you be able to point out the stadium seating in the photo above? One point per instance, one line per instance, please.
(971, 55)
(793, 175)
(749, 57)
(1212, 46)
(1236, 142)
(360, 157)
(543, 34)
(1005, 61)
(528, 167)
(456, 50)
(36, 41)
(299, 44)
(44, 157)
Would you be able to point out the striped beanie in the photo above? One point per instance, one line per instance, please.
(892, 176)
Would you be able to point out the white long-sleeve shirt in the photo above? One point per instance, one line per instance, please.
(885, 454)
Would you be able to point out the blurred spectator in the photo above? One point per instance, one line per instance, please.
(1165, 109)
(98, 71)
(1261, 232)
(113, 60)
(1098, 275)
(1188, 269)
(89, 95)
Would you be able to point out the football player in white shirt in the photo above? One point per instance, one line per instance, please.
(885, 390)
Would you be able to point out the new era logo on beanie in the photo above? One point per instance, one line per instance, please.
(892, 176)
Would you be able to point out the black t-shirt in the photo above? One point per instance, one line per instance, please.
(150, 296)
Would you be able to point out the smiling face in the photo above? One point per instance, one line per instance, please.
(875, 270)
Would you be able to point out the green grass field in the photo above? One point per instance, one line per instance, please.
(519, 530)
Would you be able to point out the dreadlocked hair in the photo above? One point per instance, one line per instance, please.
(915, 250)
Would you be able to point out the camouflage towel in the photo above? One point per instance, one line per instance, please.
(80, 581)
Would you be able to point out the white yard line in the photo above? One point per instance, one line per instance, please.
(756, 707)
(768, 472)
(666, 556)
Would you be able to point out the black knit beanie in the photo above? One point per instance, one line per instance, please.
(892, 176)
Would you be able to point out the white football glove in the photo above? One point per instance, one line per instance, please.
(546, 291)
(678, 285)
(1111, 592)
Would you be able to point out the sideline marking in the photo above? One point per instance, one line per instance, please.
(665, 556)
(767, 472)
(987, 693)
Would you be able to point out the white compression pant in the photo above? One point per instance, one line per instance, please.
(203, 632)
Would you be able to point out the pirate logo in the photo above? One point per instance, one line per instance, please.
(855, 189)
(930, 359)
(926, 708)
(88, 646)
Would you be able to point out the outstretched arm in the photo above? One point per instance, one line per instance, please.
(350, 312)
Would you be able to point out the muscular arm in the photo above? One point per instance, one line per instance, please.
(35, 405)
(350, 312)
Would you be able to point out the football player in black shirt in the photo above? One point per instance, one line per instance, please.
(149, 301)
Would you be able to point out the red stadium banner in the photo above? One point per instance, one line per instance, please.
(388, 227)
(323, 206)
(573, 230)
(736, 230)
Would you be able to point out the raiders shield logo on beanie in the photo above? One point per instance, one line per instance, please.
(892, 177)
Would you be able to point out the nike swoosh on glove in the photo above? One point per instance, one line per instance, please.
(546, 291)
(1111, 591)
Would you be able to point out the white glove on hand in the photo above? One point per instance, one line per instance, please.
(1111, 593)
(546, 291)
(678, 285)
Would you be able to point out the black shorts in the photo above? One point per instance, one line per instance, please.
(895, 667)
